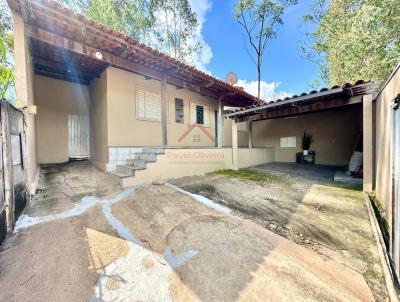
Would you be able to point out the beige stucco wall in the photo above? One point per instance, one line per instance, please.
(335, 134)
(255, 156)
(243, 136)
(124, 129)
(382, 141)
(99, 122)
(56, 99)
(24, 88)
(177, 163)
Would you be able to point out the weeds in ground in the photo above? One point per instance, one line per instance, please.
(253, 175)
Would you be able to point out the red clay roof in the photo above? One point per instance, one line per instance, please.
(151, 53)
(359, 87)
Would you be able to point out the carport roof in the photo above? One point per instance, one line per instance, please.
(54, 30)
(337, 96)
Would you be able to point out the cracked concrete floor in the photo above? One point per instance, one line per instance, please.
(158, 244)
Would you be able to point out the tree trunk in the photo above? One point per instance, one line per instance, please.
(259, 76)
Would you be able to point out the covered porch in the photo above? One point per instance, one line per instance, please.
(339, 119)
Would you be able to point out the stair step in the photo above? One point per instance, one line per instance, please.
(128, 169)
(118, 176)
(154, 150)
(148, 157)
(136, 163)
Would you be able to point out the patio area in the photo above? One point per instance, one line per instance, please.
(160, 243)
(303, 204)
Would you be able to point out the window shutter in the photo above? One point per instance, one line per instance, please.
(148, 106)
(140, 104)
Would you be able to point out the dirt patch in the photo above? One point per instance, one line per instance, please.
(332, 221)
(104, 249)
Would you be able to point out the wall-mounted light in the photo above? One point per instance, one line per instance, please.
(32, 109)
(99, 55)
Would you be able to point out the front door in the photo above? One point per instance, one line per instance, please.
(78, 136)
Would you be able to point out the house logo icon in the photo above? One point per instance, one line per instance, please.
(196, 137)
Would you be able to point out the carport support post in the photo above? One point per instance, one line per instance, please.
(220, 124)
(367, 143)
(250, 131)
(164, 110)
(235, 157)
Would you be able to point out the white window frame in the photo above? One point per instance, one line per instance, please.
(288, 142)
(242, 127)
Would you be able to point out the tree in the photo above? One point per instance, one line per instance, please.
(167, 25)
(175, 28)
(134, 18)
(354, 39)
(260, 20)
(6, 50)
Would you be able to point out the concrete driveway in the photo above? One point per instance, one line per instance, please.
(156, 243)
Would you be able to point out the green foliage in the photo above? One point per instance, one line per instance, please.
(260, 20)
(168, 25)
(133, 18)
(307, 141)
(354, 39)
(6, 49)
(175, 28)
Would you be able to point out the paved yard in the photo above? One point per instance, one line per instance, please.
(158, 243)
(303, 204)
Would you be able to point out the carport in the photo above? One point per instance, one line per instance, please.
(339, 118)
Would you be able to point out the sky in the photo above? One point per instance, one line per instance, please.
(284, 72)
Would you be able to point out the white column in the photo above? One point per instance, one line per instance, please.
(368, 170)
(164, 108)
(220, 125)
(235, 157)
(250, 132)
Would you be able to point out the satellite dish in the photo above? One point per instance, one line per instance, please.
(231, 78)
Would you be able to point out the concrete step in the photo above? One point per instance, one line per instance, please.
(147, 157)
(118, 176)
(129, 170)
(136, 163)
(155, 150)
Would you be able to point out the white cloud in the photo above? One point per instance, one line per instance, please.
(268, 91)
(201, 7)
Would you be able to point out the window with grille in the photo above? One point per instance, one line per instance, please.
(148, 106)
(179, 116)
(199, 114)
(242, 126)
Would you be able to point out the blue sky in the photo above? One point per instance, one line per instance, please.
(283, 69)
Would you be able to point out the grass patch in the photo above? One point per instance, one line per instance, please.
(252, 175)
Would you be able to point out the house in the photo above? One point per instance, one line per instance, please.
(92, 92)
(140, 115)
